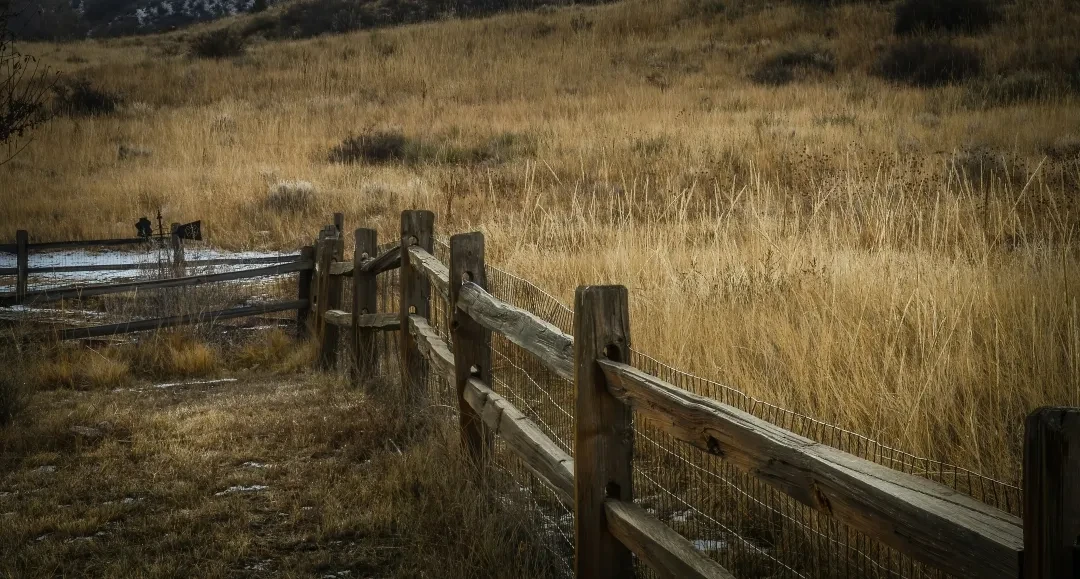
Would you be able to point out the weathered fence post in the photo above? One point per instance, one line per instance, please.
(472, 342)
(603, 434)
(1052, 493)
(364, 357)
(22, 264)
(417, 228)
(329, 249)
(303, 292)
(339, 222)
(177, 251)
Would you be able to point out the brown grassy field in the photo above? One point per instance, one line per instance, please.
(282, 476)
(897, 260)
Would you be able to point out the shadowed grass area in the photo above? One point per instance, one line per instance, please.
(283, 477)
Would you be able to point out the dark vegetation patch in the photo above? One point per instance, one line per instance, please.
(390, 146)
(75, 96)
(966, 16)
(221, 43)
(926, 63)
(794, 65)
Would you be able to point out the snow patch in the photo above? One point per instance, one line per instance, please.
(193, 383)
(242, 489)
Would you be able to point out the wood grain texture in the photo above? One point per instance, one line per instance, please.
(665, 551)
(923, 519)
(1052, 493)
(172, 321)
(603, 433)
(365, 355)
(328, 294)
(539, 453)
(545, 341)
(472, 341)
(431, 346)
(386, 261)
(417, 229)
(52, 295)
(383, 321)
(432, 269)
(341, 268)
(303, 292)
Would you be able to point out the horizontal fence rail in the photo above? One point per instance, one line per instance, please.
(53, 295)
(181, 320)
(925, 520)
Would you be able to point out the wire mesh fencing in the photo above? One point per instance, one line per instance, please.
(735, 519)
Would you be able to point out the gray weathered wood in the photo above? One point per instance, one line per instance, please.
(153, 266)
(923, 519)
(665, 551)
(330, 248)
(303, 292)
(342, 268)
(365, 358)
(1052, 493)
(545, 341)
(432, 269)
(172, 321)
(374, 322)
(417, 229)
(385, 261)
(537, 452)
(22, 264)
(179, 269)
(52, 295)
(472, 341)
(603, 432)
(431, 346)
(88, 243)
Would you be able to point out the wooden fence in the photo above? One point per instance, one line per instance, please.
(178, 266)
(938, 526)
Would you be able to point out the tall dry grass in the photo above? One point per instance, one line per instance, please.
(899, 261)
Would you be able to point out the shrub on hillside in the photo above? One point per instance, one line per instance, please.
(922, 62)
(291, 197)
(380, 146)
(1010, 89)
(221, 43)
(79, 97)
(969, 16)
(790, 65)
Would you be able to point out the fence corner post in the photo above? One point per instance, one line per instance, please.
(472, 341)
(603, 433)
(303, 292)
(22, 264)
(329, 295)
(417, 228)
(1052, 493)
(365, 288)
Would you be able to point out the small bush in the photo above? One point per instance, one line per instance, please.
(790, 65)
(221, 43)
(291, 197)
(380, 147)
(969, 16)
(1005, 90)
(79, 97)
(921, 62)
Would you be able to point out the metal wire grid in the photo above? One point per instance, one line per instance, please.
(742, 523)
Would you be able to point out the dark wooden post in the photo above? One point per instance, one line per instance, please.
(603, 434)
(177, 251)
(365, 301)
(1052, 494)
(339, 222)
(472, 342)
(329, 249)
(22, 264)
(417, 228)
(303, 292)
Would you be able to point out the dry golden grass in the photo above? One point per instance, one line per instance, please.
(822, 245)
(282, 477)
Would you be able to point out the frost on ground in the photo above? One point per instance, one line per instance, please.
(242, 489)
